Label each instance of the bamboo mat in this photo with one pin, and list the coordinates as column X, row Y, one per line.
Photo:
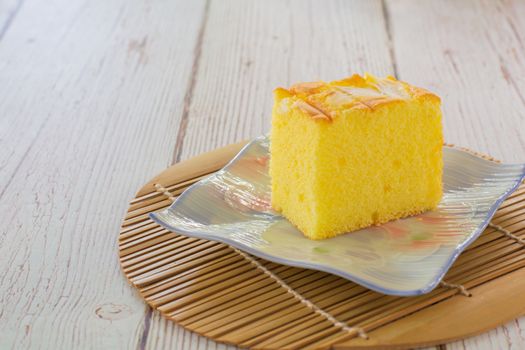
column 231, row 297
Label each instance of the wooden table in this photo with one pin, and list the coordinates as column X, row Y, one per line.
column 96, row 97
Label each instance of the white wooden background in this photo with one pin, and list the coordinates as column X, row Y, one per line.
column 98, row 96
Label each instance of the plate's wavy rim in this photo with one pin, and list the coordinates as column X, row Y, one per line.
column 315, row 266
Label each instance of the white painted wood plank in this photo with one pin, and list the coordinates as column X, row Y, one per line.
column 251, row 47
column 472, row 54
column 91, row 97
column 8, row 11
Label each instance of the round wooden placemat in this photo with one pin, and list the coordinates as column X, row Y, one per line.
column 231, row 297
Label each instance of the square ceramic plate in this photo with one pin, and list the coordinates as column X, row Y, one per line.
column 404, row 257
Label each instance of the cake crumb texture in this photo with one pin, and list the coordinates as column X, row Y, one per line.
column 353, row 153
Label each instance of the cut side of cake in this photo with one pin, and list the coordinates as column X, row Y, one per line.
column 353, row 153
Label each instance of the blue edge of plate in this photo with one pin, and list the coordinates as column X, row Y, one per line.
column 435, row 281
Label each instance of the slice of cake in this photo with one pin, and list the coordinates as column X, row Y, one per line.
column 353, row 153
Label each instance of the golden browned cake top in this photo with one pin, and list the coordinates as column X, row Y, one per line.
column 323, row 100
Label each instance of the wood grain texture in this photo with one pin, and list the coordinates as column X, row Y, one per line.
column 91, row 96
column 102, row 95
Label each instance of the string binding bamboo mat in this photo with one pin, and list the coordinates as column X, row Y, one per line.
column 232, row 297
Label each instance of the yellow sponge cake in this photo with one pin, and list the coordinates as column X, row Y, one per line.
column 353, row 153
